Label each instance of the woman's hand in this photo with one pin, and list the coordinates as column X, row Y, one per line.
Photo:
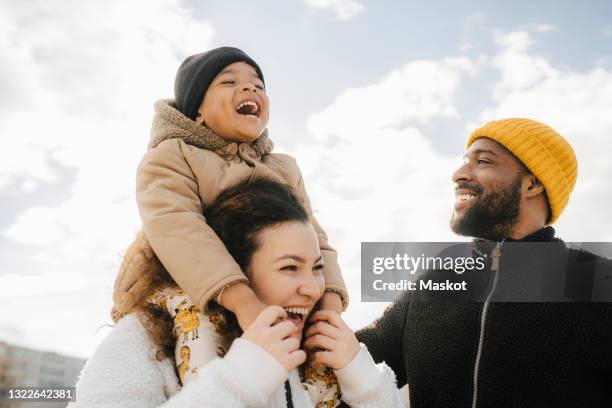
column 271, row 331
column 336, row 340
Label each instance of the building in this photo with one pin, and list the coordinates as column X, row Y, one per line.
column 24, row 367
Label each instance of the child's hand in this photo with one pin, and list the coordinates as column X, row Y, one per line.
column 271, row 331
column 248, row 313
column 242, row 301
column 336, row 340
column 331, row 301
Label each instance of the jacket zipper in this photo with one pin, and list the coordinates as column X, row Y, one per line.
column 288, row 395
column 495, row 254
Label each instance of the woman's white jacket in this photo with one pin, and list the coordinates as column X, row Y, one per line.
column 123, row 373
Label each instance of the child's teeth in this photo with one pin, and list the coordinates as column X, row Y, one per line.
column 251, row 103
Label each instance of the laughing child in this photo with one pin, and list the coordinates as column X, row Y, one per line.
column 211, row 136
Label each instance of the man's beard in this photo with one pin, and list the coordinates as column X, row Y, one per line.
column 491, row 216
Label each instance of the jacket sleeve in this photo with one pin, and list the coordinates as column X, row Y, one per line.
column 365, row 384
column 334, row 281
column 174, row 224
column 123, row 373
column 384, row 337
column 246, row 377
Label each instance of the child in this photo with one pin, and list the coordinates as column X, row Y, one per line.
column 212, row 136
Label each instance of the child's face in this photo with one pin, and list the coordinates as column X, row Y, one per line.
column 235, row 105
column 287, row 270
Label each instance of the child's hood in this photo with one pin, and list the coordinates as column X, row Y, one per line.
column 170, row 123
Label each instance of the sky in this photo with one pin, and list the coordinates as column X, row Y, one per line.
column 374, row 99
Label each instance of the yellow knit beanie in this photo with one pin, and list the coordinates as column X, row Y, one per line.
column 542, row 150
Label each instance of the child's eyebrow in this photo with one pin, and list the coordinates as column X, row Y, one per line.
column 226, row 71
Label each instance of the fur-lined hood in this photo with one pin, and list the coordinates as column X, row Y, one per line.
column 170, row 123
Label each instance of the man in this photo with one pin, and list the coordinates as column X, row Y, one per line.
column 515, row 181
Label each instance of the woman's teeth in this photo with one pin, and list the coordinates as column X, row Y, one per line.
column 303, row 311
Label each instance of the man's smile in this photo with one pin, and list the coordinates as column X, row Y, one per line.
column 464, row 198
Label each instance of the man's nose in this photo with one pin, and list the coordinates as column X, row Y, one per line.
column 462, row 174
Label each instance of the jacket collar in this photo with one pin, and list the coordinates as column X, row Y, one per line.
column 546, row 234
column 170, row 123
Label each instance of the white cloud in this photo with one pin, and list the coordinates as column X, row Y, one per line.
column 89, row 107
column 467, row 46
column 373, row 175
column 472, row 24
column 576, row 104
column 344, row 9
column 545, row 28
column 83, row 89
column 519, row 69
column 516, row 41
column 418, row 92
column 69, row 321
column 81, row 96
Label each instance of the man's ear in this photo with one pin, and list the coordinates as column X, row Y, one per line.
column 534, row 187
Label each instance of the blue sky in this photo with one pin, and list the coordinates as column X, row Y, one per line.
column 374, row 99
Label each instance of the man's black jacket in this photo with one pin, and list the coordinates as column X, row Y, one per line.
column 504, row 354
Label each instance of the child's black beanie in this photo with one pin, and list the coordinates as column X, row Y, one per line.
column 197, row 72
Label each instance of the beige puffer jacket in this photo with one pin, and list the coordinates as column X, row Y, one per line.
column 185, row 168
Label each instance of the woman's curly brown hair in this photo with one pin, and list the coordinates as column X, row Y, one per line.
column 155, row 319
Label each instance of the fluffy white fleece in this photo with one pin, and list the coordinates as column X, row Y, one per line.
column 123, row 373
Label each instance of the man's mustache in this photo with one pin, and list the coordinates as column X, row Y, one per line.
column 476, row 188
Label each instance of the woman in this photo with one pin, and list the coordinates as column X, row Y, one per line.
column 266, row 230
